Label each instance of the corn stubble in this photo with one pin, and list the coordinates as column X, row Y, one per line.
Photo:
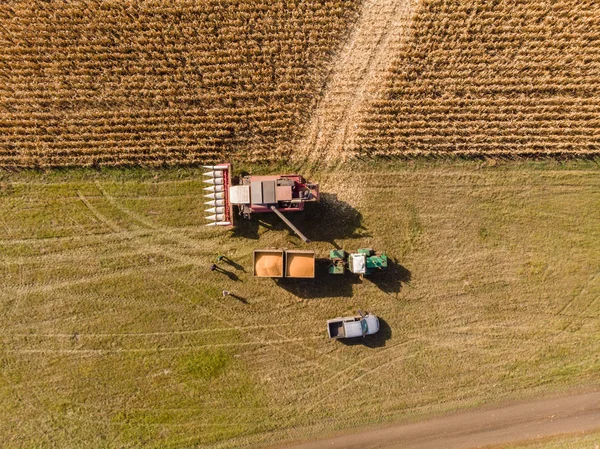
column 111, row 83
column 491, row 78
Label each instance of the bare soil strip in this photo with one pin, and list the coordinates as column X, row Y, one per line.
column 477, row 428
column 356, row 78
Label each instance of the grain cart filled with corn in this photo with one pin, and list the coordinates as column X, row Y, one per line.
column 279, row 263
column 255, row 194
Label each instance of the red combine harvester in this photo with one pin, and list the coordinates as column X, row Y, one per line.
column 255, row 194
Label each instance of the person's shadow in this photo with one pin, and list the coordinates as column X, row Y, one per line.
column 233, row 264
column 238, row 297
column 229, row 274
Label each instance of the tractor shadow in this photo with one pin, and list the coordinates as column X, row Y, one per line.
column 324, row 285
column 326, row 221
column 371, row 341
column 392, row 279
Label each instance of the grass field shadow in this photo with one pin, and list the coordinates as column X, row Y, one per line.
column 330, row 219
column 377, row 340
column 392, row 279
column 247, row 229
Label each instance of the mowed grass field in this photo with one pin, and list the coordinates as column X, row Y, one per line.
column 114, row 333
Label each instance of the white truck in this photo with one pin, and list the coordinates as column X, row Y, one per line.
column 353, row 326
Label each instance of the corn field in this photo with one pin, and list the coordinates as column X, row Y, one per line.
column 154, row 83
column 510, row 78
column 158, row 83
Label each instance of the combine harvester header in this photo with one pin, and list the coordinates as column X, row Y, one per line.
column 219, row 210
column 255, row 194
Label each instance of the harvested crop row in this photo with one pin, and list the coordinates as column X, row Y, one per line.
column 151, row 83
column 491, row 78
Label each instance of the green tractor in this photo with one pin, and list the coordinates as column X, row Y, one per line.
column 363, row 262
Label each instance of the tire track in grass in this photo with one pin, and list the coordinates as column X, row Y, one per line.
column 331, row 357
column 144, row 221
column 297, row 343
column 50, row 287
column 569, row 304
column 218, row 317
column 149, row 334
column 76, row 256
column 122, row 235
column 101, row 217
column 171, row 233
column 358, row 365
column 183, row 260
column 153, row 350
column 348, row 366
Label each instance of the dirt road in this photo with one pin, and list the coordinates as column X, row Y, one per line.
column 356, row 78
column 477, row 428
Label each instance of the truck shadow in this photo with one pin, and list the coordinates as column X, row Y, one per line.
column 377, row 340
column 324, row 285
column 326, row 221
column 392, row 279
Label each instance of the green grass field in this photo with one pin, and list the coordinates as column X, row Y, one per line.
column 114, row 333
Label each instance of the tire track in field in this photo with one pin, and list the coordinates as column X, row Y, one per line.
column 157, row 349
column 504, row 424
column 348, row 366
column 297, row 343
column 182, row 259
column 358, row 365
column 250, row 335
column 309, row 348
column 574, row 317
column 150, row 334
column 122, row 235
column 356, row 79
column 81, row 255
column 156, row 248
column 584, row 291
column 49, row 287
column 207, row 245
column 101, row 217
column 316, row 403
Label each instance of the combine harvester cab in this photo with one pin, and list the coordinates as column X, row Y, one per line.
column 257, row 194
